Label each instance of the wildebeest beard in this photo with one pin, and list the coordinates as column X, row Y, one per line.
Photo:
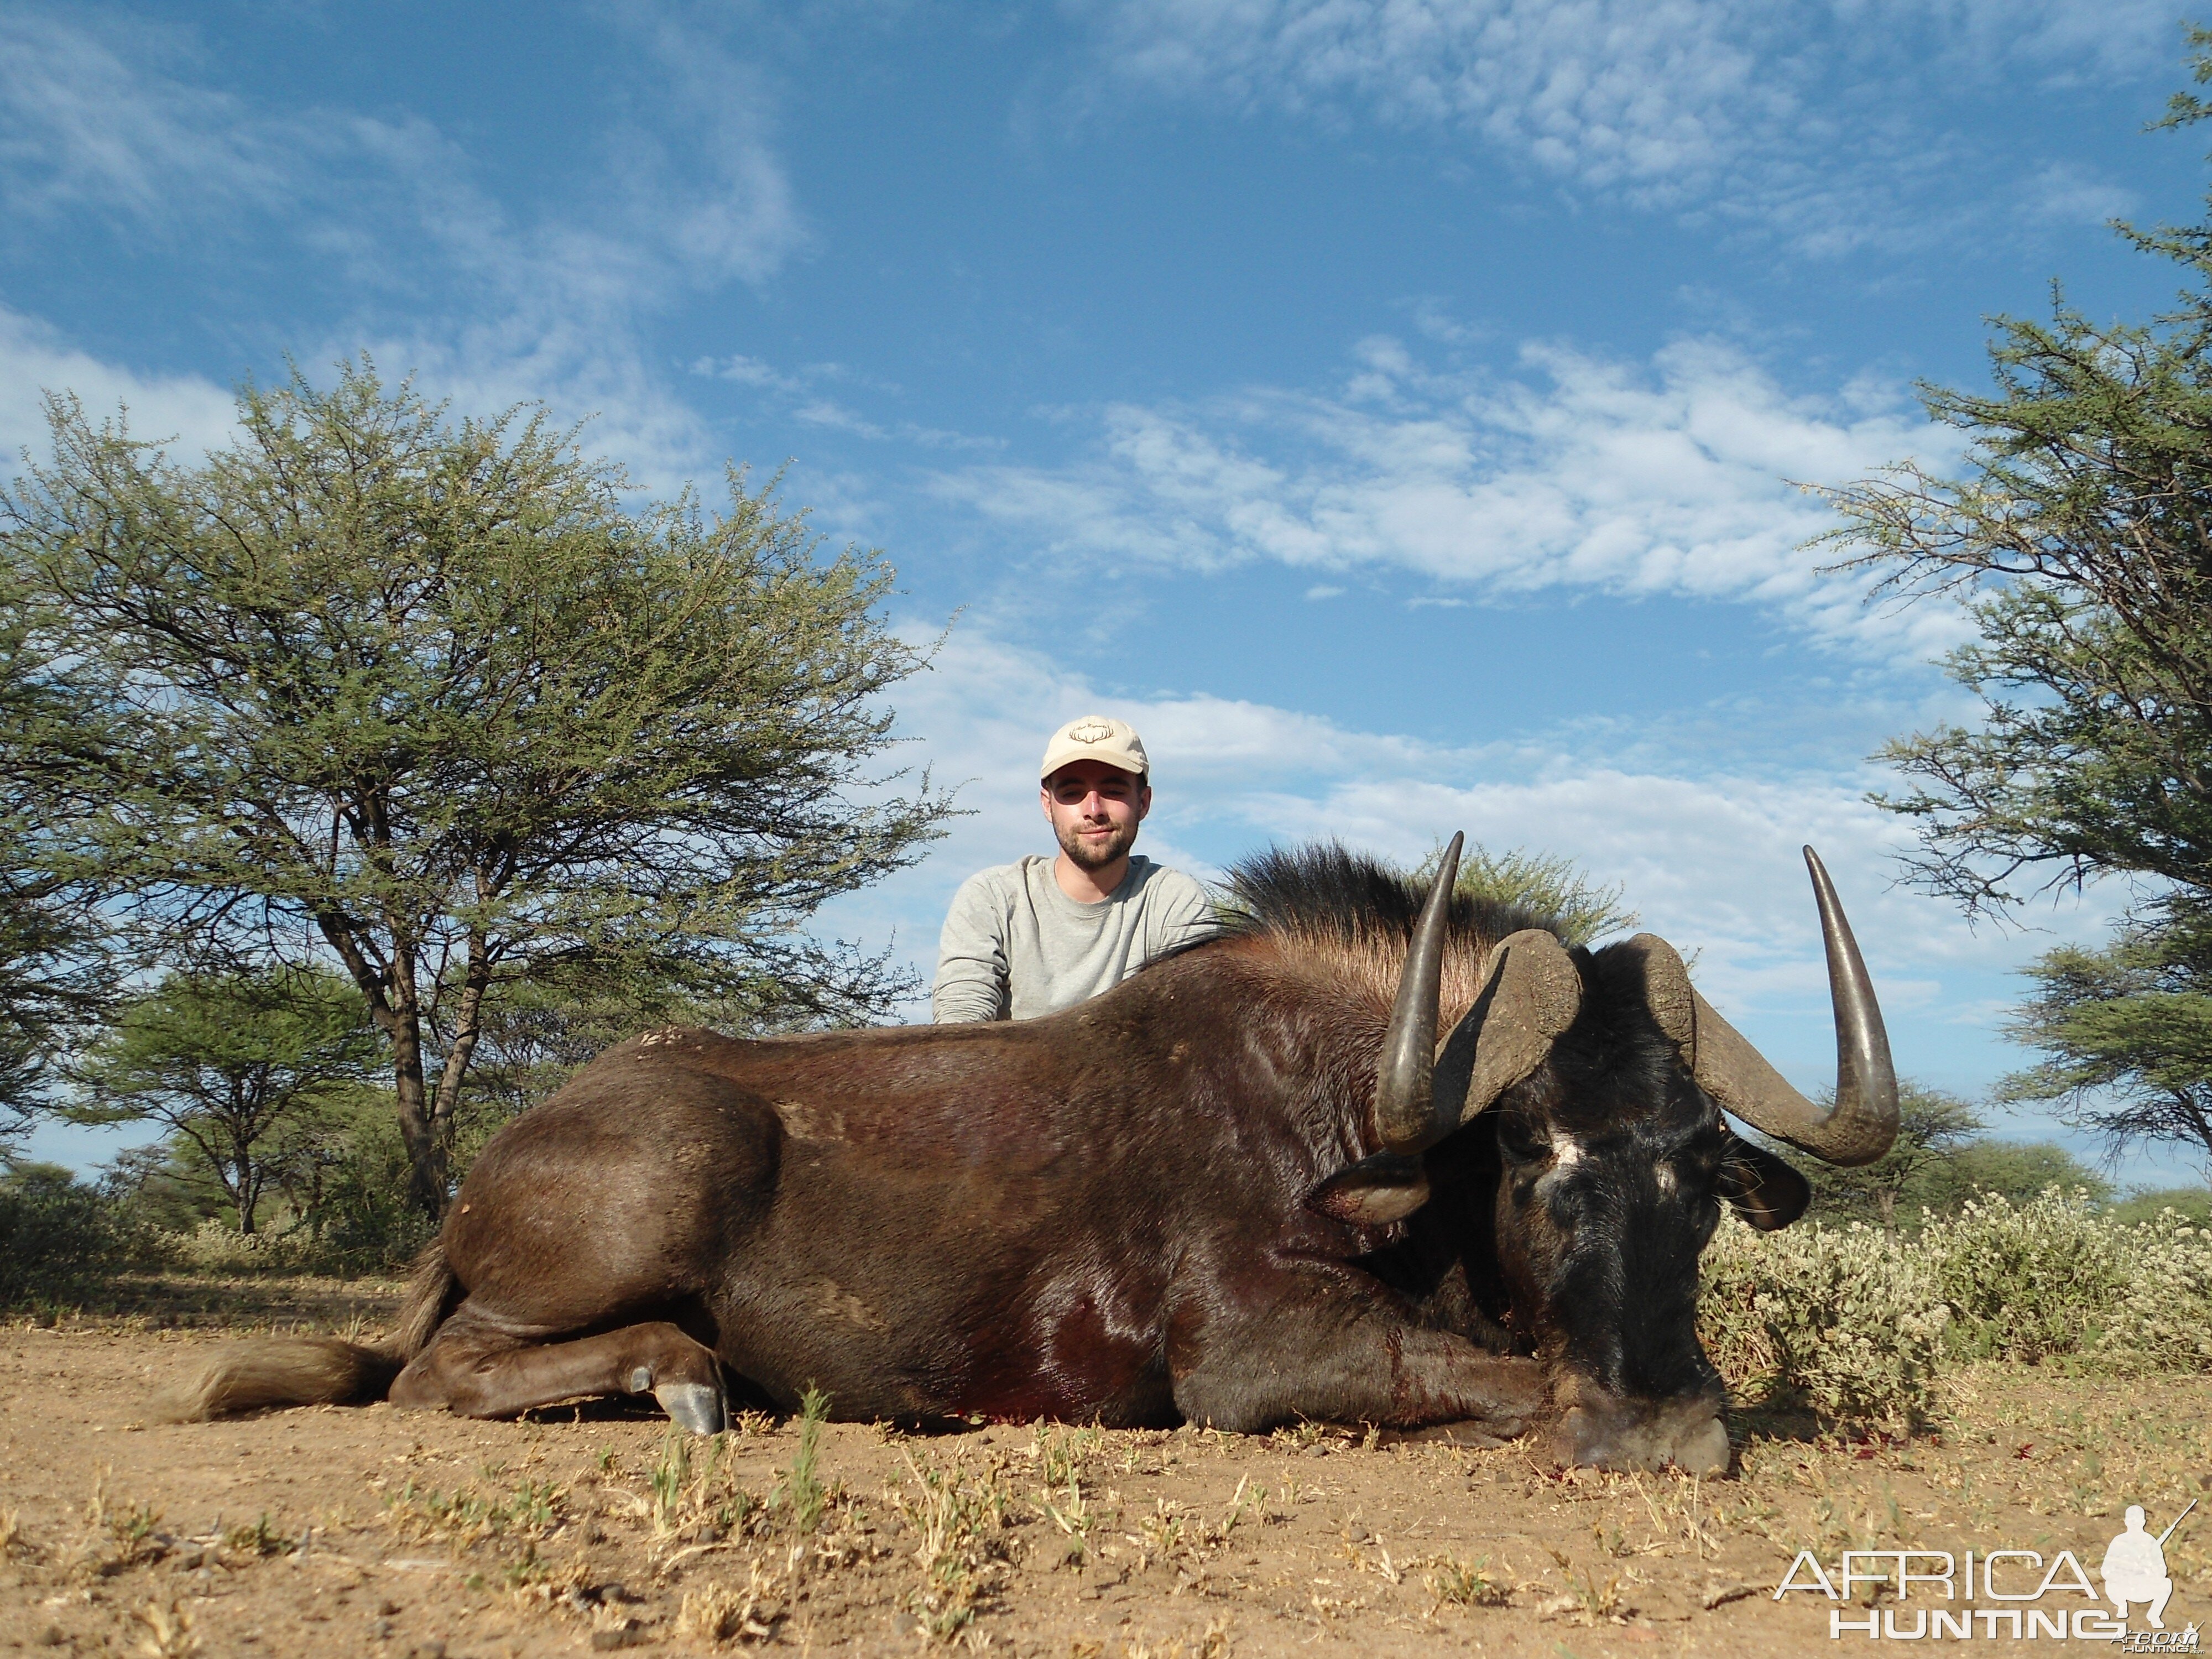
column 1246, row 1186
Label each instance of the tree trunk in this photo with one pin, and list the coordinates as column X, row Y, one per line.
column 245, row 1193
column 426, row 1152
column 466, row 1030
column 390, row 992
column 1886, row 1198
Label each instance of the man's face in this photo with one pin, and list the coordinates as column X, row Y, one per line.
column 1094, row 809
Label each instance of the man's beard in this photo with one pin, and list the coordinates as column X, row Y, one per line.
column 1095, row 854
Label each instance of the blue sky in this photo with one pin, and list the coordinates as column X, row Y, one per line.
column 1393, row 407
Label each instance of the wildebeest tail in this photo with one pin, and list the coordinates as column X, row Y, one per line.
column 314, row 1371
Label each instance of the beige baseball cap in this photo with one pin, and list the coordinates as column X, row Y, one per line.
column 1099, row 737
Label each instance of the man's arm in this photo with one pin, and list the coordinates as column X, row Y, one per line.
column 971, row 958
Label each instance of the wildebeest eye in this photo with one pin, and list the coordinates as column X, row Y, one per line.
column 1522, row 1141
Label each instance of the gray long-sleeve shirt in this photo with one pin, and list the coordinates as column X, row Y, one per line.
column 1015, row 946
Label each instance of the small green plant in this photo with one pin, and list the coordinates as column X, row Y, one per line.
column 1468, row 1583
column 1161, row 1533
column 466, row 1516
column 259, row 1538
column 1247, row 1499
column 800, row 1494
column 129, row 1528
column 671, row 1472
column 696, row 1491
column 1058, row 1453
column 1072, row 1514
column 958, row 1524
column 1587, row 1602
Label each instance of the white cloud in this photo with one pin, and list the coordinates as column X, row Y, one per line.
column 798, row 393
column 435, row 275
column 2066, row 192
column 1749, row 107
column 80, row 125
column 192, row 415
column 1670, row 477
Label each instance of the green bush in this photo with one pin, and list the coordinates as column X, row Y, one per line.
column 1847, row 1321
column 2192, row 1204
column 360, row 1218
column 2028, row 1281
column 60, row 1239
column 1857, row 1323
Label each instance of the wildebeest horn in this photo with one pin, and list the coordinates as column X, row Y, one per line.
column 1862, row 1124
column 1405, row 1106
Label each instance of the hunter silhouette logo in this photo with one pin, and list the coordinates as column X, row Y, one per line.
column 2011, row 1592
column 2134, row 1566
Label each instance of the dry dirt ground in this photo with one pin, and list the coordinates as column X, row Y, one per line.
column 375, row 1532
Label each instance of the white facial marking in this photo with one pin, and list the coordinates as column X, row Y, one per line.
column 1664, row 1175
column 1565, row 1156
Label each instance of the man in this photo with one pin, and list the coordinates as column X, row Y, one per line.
column 1026, row 938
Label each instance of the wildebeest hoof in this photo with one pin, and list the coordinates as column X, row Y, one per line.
column 692, row 1405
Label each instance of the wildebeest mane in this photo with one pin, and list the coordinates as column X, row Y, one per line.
column 1325, row 891
column 1343, row 916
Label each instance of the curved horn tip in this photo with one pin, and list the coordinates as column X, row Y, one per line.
column 1862, row 1124
column 1405, row 1111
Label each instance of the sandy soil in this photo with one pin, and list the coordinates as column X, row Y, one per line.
column 376, row 1532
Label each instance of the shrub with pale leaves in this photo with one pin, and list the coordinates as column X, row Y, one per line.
column 1855, row 1323
column 1847, row 1321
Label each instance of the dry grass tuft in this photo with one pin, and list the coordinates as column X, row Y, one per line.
column 723, row 1613
column 1466, row 1584
column 959, row 1522
column 168, row 1631
column 123, row 1534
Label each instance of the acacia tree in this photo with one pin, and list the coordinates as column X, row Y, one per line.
column 240, row 1068
column 1932, row 1126
column 50, row 978
column 2080, row 540
column 1575, row 906
column 424, row 693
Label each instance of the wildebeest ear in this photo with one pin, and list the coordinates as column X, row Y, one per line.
column 1384, row 1188
column 1766, row 1192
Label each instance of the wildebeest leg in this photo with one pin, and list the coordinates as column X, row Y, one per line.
column 477, row 1369
column 1326, row 1347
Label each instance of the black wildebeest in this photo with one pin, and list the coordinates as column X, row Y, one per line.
column 1200, row 1196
